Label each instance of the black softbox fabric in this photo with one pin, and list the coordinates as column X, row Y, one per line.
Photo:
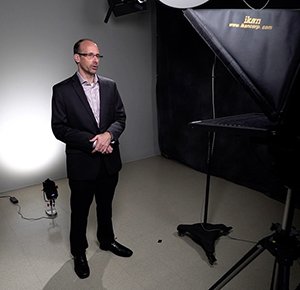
column 261, row 48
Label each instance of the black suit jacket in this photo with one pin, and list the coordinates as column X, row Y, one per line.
column 74, row 124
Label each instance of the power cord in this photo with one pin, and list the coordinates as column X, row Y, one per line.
column 228, row 236
column 15, row 201
column 240, row 240
column 264, row 6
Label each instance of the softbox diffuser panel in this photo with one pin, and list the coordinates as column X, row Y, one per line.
column 261, row 48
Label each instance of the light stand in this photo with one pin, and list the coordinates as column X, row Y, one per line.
column 278, row 100
column 50, row 194
column 206, row 234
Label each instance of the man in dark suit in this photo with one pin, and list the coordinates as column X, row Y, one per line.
column 88, row 116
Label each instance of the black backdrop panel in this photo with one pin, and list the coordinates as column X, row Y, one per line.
column 184, row 94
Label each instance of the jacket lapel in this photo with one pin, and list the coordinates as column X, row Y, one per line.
column 103, row 101
column 80, row 92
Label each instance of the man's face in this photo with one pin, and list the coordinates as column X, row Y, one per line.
column 88, row 57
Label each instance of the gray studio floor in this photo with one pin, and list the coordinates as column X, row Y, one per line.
column 153, row 197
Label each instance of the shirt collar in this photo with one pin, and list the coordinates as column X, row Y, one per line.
column 83, row 81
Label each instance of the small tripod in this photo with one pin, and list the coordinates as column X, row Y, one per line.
column 282, row 244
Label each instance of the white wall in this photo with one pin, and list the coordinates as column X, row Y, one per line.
column 37, row 37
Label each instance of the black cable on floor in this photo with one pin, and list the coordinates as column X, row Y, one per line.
column 15, row 202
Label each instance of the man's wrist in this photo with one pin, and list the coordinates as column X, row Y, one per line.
column 111, row 137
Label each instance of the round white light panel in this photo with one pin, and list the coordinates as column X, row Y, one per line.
column 183, row 4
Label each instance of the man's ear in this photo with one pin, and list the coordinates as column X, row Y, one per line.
column 76, row 58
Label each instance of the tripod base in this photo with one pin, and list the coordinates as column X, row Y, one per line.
column 282, row 245
column 205, row 235
column 51, row 210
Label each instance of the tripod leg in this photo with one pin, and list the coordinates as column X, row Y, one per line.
column 281, row 275
column 238, row 267
column 282, row 253
column 274, row 274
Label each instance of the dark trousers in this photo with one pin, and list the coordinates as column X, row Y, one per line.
column 82, row 194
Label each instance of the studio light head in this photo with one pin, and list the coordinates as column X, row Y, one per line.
column 50, row 194
column 123, row 7
column 50, row 189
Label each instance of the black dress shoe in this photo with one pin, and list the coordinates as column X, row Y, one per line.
column 81, row 266
column 117, row 249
